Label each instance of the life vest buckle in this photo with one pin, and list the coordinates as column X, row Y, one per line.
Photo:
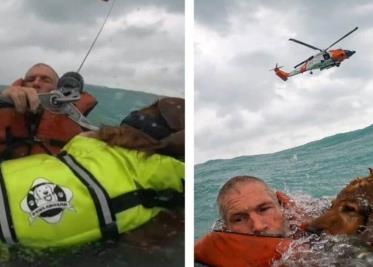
column 147, row 197
column 36, row 139
column 110, row 231
column 166, row 198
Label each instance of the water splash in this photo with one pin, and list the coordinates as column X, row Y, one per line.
column 324, row 250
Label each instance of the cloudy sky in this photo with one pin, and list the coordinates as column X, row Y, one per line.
column 241, row 108
column 140, row 48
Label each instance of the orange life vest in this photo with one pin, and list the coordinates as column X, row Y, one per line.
column 223, row 249
column 24, row 134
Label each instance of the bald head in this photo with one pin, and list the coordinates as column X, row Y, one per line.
column 247, row 205
column 234, row 184
column 42, row 77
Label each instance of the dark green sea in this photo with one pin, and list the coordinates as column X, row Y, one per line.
column 115, row 103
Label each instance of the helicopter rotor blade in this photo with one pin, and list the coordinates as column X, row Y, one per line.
column 308, row 59
column 300, row 63
column 302, row 43
column 344, row 36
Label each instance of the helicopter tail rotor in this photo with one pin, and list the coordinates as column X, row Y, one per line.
column 280, row 73
column 276, row 67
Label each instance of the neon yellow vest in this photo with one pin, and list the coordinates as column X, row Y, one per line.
column 44, row 202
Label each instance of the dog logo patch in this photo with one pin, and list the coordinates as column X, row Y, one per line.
column 47, row 201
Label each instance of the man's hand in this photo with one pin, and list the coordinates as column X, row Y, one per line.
column 24, row 98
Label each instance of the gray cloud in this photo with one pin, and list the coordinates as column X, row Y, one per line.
column 140, row 48
column 86, row 12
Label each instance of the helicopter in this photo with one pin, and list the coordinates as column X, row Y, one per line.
column 323, row 60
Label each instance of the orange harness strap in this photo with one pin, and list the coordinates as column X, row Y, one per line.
column 51, row 133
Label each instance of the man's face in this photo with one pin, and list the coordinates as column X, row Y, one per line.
column 41, row 78
column 250, row 209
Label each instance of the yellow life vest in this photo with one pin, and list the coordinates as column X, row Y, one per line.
column 90, row 191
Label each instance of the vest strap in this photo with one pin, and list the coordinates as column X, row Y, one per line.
column 107, row 207
column 7, row 233
column 12, row 143
column 99, row 195
column 149, row 198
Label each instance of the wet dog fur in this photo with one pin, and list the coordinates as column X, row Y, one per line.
column 171, row 109
column 351, row 212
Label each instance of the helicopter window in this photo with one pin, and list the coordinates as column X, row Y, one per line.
column 326, row 56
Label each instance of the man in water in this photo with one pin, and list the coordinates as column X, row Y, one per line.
column 26, row 128
column 248, row 205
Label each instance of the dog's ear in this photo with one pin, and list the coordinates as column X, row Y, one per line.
column 174, row 144
column 284, row 200
column 173, row 111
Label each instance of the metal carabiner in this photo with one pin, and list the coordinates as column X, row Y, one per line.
column 56, row 102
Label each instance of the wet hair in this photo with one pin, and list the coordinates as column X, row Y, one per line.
column 44, row 65
column 152, row 129
column 232, row 183
column 130, row 138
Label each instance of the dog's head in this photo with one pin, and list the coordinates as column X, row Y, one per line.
column 350, row 212
column 44, row 192
column 157, row 128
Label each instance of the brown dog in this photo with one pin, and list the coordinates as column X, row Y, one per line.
column 158, row 128
column 351, row 212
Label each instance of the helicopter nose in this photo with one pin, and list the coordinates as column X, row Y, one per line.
column 349, row 53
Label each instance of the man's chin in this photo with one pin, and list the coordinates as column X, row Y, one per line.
column 273, row 233
column 284, row 232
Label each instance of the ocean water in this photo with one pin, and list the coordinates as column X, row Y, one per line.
column 114, row 103
column 316, row 171
column 160, row 243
